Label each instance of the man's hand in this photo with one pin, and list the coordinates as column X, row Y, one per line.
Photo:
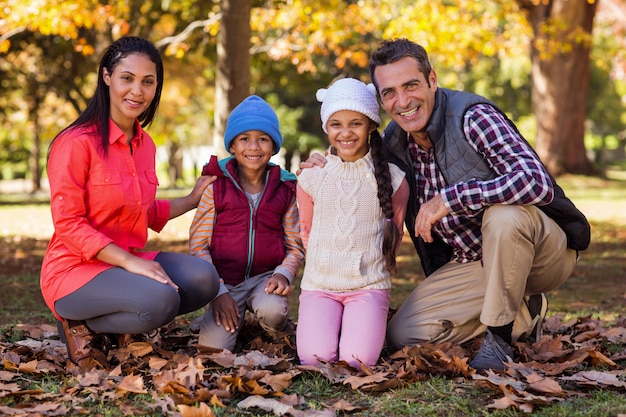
column 226, row 312
column 315, row 159
column 430, row 213
column 278, row 284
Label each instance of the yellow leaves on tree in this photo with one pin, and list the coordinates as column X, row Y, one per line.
column 54, row 17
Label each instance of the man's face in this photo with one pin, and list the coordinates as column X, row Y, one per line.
column 406, row 95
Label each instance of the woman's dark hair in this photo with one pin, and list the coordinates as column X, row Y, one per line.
column 391, row 234
column 393, row 50
column 98, row 110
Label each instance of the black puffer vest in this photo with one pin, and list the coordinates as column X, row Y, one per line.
column 459, row 162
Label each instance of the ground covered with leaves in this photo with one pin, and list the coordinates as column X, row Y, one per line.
column 577, row 369
column 170, row 375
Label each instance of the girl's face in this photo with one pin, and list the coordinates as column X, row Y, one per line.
column 348, row 132
column 132, row 86
column 252, row 149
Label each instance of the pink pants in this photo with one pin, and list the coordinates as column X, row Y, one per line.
column 342, row 326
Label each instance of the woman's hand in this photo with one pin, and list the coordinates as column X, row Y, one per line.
column 114, row 255
column 182, row 205
column 150, row 269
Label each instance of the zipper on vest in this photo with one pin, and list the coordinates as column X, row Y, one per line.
column 251, row 231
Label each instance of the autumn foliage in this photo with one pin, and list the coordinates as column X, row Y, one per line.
column 185, row 379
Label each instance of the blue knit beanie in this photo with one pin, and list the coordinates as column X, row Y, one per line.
column 253, row 114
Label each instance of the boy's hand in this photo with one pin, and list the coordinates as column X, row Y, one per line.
column 226, row 312
column 278, row 284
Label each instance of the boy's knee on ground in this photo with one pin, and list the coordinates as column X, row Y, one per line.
column 272, row 313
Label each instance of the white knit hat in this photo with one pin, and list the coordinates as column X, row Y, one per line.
column 348, row 94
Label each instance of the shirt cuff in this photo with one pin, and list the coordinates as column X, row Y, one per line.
column 280, row 269
column 223, row 290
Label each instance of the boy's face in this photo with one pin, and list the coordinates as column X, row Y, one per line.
column 252, row 149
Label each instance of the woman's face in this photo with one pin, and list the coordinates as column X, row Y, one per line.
column 348, row 132
column 132, row 86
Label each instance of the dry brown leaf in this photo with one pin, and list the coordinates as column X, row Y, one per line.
column 215, row 401
column 502, row 403
column 543, row 385
column 598, row 359
column 11, row 361
column 47, row 409
column 165, row 382
column 547, row 349
column 357, row 382
column 203, row 410
column 92, row 378
column 495, row 381
column 190, row 373
column 253, row 387
column 596, row 378
column 139, row 349
column 343, row 405
column 225, row 358
column 7, row 376
column 157, row 363
column 615, row 335
column 279, row 382
column 28, row 367
column 267, row 404
column 256, row 359
column 133, row 383
column 585, row 336
column 10, row 387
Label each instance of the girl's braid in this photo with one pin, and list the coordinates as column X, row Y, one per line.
column 391, row 235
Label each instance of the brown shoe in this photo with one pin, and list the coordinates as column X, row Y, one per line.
column 78, row 338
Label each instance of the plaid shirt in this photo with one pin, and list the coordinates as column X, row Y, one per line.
column 522, row 180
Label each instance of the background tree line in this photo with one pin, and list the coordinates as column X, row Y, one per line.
column 556, row 66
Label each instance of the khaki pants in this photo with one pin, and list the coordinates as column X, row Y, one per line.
column 524, row 252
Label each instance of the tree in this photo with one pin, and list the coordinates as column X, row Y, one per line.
column 232, row 81
column 560, row 54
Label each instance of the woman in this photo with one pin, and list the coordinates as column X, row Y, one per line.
column 101, row 168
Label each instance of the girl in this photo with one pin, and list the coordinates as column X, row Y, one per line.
column 352, row 214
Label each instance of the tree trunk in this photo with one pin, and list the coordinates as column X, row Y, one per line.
column 35, row 153
column 232, row 81
column 560, row 80
column 175, row 163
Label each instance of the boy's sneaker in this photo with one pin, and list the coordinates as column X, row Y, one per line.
column 537, row 307
column 493, row 353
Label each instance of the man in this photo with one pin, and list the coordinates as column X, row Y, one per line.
column 493, row 230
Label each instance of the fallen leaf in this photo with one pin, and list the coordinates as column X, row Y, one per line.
column 203, row 410
column 133, row 383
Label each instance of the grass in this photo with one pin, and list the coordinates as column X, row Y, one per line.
column 597, row 289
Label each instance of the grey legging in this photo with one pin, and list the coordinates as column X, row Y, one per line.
column 118, row 301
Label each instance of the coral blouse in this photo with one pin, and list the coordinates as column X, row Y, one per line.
column 97, row 200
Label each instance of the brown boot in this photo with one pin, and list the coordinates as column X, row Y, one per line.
column 78, row 338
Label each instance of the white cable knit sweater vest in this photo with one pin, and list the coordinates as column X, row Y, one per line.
column 345, row 245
